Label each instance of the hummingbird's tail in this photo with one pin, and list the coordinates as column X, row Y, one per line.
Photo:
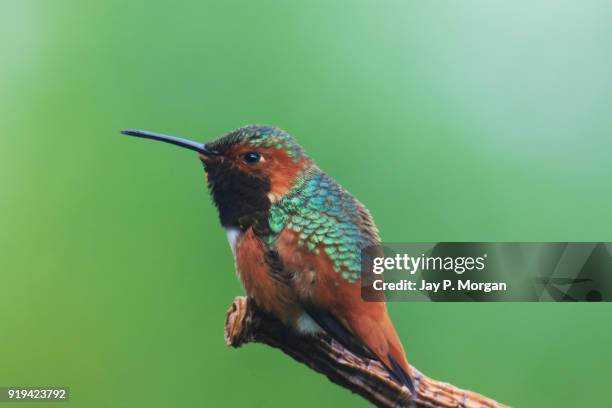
column 377, row 334
column 395, row 360
column 401, row 373
column 371, row 338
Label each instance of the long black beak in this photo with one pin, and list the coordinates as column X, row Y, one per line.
column 179, row 141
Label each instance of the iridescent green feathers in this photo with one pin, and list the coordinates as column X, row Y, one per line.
column 327, row 218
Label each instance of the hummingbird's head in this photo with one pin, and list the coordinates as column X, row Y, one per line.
column 247, row 170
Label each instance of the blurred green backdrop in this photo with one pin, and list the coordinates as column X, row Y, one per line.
column 475, row 120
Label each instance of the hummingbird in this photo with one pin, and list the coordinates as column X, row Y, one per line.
column 296, row 236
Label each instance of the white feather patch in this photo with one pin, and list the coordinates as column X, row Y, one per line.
column 232, row 237
column 274, row 198
column 306, row 325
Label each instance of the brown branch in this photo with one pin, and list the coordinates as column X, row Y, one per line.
column 245, row 323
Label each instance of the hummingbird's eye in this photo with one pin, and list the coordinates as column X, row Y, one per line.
column 252, row 157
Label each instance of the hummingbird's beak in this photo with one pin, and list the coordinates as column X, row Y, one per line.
column 179, row 141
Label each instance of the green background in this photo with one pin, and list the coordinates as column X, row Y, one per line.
column 452, row 121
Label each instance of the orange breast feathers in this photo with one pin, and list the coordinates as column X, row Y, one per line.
column 268, row 287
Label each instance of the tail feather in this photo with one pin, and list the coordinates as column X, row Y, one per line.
column 377, row 333
column 361, row 346
column 401, row 375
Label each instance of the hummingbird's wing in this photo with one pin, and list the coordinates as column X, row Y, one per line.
column 322, row 230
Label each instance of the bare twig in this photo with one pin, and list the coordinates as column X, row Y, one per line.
column 246, row 323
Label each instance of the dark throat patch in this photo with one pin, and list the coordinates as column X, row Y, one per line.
column 241, row 198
